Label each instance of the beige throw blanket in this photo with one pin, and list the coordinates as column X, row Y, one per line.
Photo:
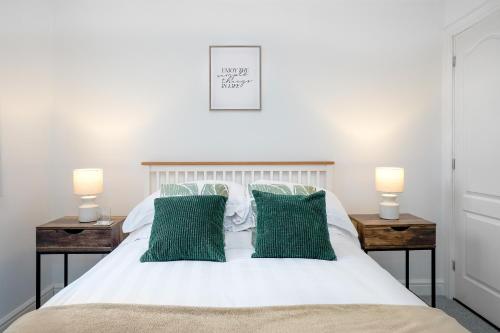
column 110, row 318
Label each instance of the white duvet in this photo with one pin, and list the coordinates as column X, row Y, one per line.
column 239, row 282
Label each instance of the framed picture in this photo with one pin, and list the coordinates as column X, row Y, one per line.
column 235, row 78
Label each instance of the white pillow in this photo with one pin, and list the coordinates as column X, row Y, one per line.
column 238, row 240
column 237, row 208
column 143, row 232
column 142, row 214
column 235, row 223
column 336, row 214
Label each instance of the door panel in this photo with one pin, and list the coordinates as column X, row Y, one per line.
column 477, row 173
column 480, row 240
column 481, row 204
column 481, row 94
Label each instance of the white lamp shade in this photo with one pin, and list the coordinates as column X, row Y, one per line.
column 87, row 181
column 389, row 180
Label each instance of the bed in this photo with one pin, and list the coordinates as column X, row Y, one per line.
column 352, row 294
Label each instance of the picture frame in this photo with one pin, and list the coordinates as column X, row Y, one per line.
column 235, row 77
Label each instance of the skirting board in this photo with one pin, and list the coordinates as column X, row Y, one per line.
column 422, row 287
column 28, row 306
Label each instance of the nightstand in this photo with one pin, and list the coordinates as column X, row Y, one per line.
column 406, row 234
column 68, row 236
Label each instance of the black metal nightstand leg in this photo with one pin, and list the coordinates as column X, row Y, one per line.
column 37, row 284
column 65, row 269
column 407, row 268
column 433, row 277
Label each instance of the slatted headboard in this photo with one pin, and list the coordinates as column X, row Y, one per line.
column 317, row 173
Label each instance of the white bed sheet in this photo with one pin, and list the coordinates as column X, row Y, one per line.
column 239, row 282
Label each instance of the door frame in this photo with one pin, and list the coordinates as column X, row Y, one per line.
column 448, row 134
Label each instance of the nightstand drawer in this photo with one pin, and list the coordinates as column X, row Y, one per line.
column 414, row 236
column 74, row 239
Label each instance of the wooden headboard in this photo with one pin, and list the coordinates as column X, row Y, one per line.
column 317, row 173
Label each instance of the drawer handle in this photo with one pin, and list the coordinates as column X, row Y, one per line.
column 400, row 228
column 73, row 231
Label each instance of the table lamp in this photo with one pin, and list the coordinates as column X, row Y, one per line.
column 390, row 182
column 88, row 183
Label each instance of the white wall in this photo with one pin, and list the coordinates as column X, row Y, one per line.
column 357, row 82
column 26, row 101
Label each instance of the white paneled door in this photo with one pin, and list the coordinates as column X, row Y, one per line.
column 477, row 170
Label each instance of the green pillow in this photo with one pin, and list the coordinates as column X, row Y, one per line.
column 187, row 228
column 292, row 226
column 278, row 188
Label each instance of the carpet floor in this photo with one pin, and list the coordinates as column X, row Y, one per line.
column 465, row 317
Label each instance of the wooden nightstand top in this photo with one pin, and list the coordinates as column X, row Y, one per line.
column 409, row 232
column 68, row 235
column 374, row 220
column 71, row 222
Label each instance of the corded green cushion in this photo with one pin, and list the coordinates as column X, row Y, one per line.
column 292, row 226
column 187, row 228
column 277, row 188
